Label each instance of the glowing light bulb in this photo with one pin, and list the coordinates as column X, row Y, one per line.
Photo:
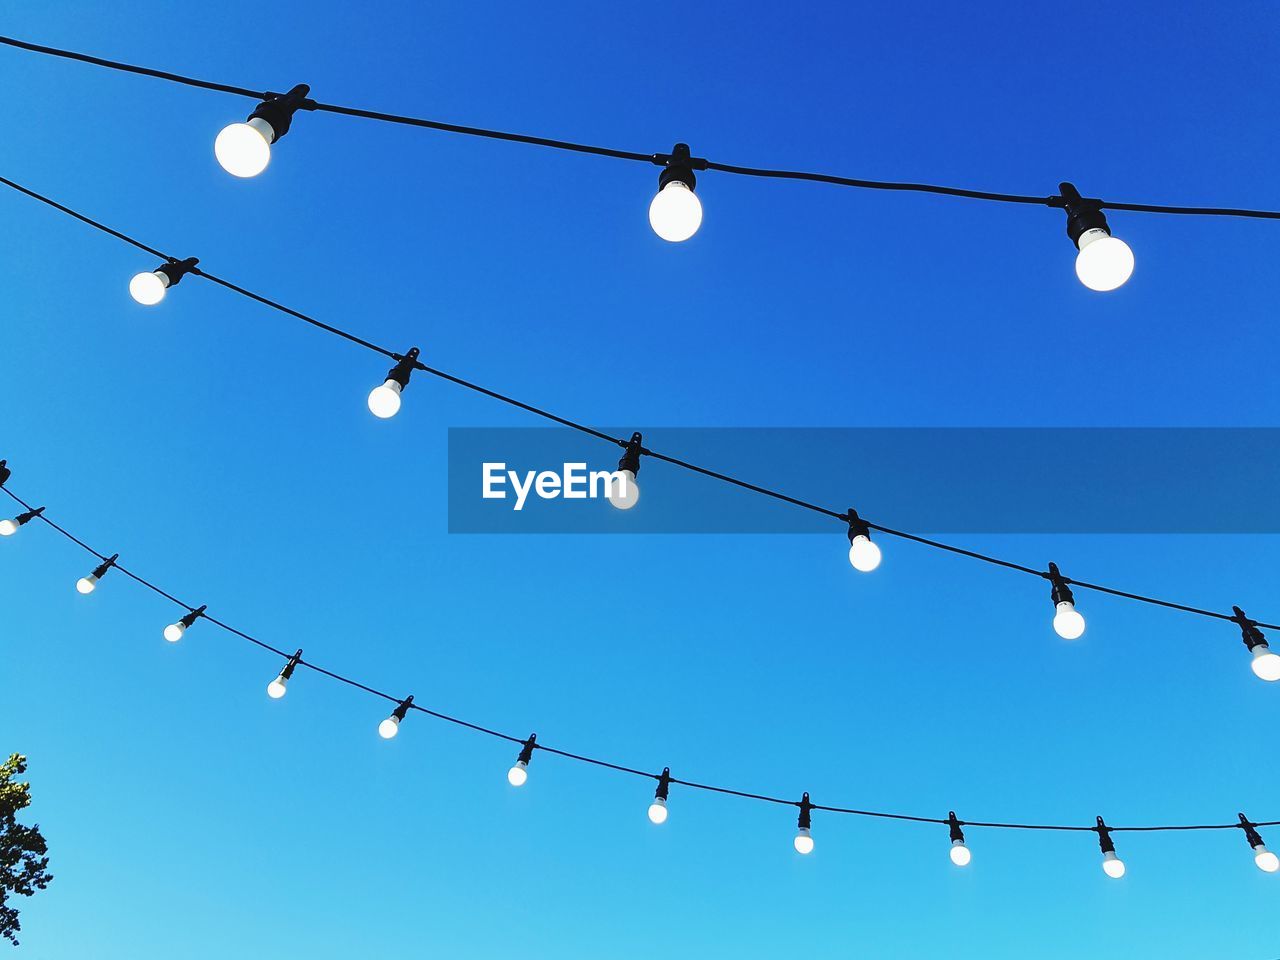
column 1068, row 622
column 960, row 854
column 863, row 554
column 148, row 288
column 244, row 149
column 8, row 528
column 388, row 728
column 1267, row 861
column 675, row 212
column 1104, row 262
column 174, row 631
column 624, row 492
column 277, row 688
column 1112, row 865
column 518, row 774
column 1265, row 664
column 803, row 841
column 658, row 810
column 384, row 400
column 87, row 584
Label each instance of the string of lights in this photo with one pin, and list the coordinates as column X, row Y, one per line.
column 243, row 149
column 658, row 810
column 149, row 288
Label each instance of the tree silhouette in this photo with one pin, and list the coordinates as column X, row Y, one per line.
column 23, row 861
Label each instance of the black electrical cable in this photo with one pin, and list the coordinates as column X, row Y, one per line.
column 618, row 441
column 659, row 159
column 595, row 761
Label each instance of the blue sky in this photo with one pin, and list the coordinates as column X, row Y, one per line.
column 227, row 453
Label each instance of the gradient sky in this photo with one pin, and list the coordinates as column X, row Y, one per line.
column 227, row 453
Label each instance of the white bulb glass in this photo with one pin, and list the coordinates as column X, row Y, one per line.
column 960, row 854
column 518, row 774
column 276, row 688
column 1267, row 861
column 384, row 400
column 624, row 492
column 86, row 584
column 803, row 842
column 244, row 149
column 1067, row 622
column 388, row 728
column 174, row 631
column 1265, row 665
column 863, row 554
column 148, row 288
column 1112, row 865
column 676, row 212
column 1104, row 262
column 8, row 528
column 658, row 810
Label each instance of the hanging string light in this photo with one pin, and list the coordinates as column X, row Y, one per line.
column 624, row 492
column 1104, row 262
column 86, row 585
column 244, row 149
column 519, row 771
column 658, row 809
column 389, row 727
column 149, row 289
column 174, row 631
column 960, row 854
column 1112, row 865
column 1265, row 664
column 864, row 555
column 1067, row 621
column 1267, row 861
column 676, row 212
column 384, row 399
column 804, row 841
column 9, row 527
column 278, row 687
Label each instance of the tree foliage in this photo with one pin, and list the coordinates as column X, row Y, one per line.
column 24, row 864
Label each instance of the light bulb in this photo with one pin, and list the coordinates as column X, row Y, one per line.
column 384, row 400
column 658, row 810
column 675, row 212
column 1112, row 865
column 518, row 774
column 863, row 554
column 244, row 149
column 960, row 854
column 1067, row 622
column 174, row 631
column 1265, row 664
column 388, row 728
column 86, row 584
column 148, row 288
column 276, row 688
column 803, row 841
column 8, row 528
column 624, row 492
column 1267, row 861
column 1104, row 262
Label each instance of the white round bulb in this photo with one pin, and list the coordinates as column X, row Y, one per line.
column 86, row 584
column 803, row 842
column 1112, row 866
column 384, row 400
column 624, row 492
column 863, row 554
column 276, row 688
column 676, row 212
column 1266, row 665
column 8, row 528
column 148, row 288
column 1067, row 622
column 244, row 149
column 1267, row 861
column 518, row 774
column 960, row 854
column 1104, row 262
column 174, row 631
column 658, row 810
column 388, row 728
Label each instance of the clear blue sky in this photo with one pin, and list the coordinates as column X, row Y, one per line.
column 228, row 453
